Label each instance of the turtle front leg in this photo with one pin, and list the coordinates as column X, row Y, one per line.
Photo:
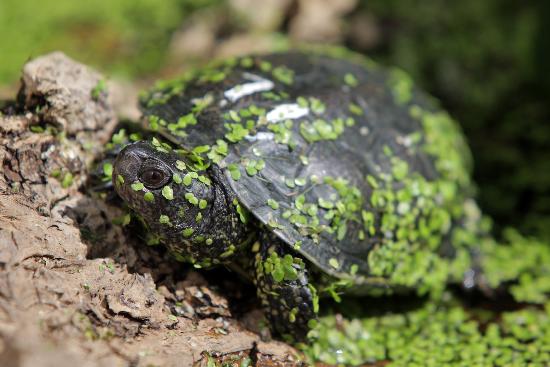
column 290, row 302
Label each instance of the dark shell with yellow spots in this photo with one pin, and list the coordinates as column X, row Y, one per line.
column 348, row 164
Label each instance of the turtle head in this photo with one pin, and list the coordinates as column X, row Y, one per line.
column 175, row 202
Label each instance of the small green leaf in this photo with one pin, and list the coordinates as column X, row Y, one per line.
column 251, row 169
column 273, row 204
column 123, row 220
column 167, row 193
column 187, row 232
column 260, row 165
column 325, row 204
column 191, row 198
column 119, row 179
column 400, row 169
column 355, row 109
column 201, row 149
column 342, row 229
column 300, row 181
column 278, row 274
column 299, row 202
column 107, row 169
column 181, row 165
column 350, row 80
column 302, row 102
column 149, row 196
column 205, row 180
column 234, row 171
column 68, row 180
column 137, row 186
column 187, row 179
column 290, row 183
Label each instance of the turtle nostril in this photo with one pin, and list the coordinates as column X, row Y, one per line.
column 127, row 165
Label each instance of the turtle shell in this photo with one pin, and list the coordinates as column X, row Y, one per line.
column 334, row 156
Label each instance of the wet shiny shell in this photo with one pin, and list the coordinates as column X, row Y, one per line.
column 340, row 159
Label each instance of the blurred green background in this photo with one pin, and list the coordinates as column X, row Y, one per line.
column 486, row 61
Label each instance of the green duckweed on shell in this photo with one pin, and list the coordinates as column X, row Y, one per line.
column 411, row 198
column 350, row 80
column 273, row 204
column 164, row 219
column 191, row 198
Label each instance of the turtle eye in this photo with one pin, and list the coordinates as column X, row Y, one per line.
column 153, row 177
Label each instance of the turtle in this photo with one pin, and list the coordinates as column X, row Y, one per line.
column 313, row 172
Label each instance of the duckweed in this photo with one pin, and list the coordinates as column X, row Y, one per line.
column 434, row 334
